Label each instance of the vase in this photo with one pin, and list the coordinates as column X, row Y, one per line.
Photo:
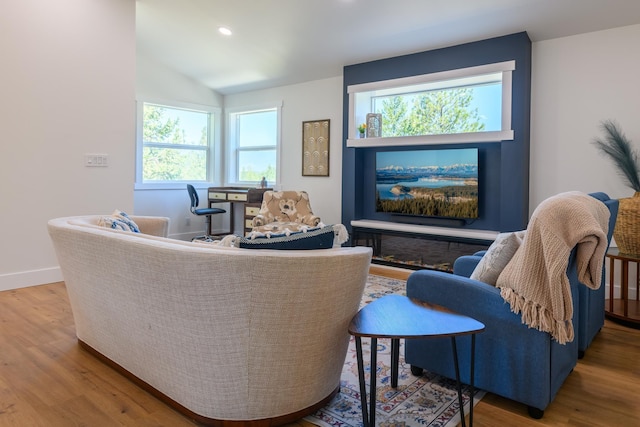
column 361, row 134
column 627, row 228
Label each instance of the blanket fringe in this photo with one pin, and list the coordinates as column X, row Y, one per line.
column 536, row 316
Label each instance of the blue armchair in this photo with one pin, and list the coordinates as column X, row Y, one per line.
column 512, row 359
column 591, row 301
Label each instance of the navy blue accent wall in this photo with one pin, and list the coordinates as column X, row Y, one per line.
column 503, row 166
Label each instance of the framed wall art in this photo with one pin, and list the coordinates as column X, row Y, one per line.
column 315, row 148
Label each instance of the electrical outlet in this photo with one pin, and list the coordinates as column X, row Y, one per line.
column 187, row 221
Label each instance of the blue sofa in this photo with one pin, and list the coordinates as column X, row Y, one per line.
column 512, row 360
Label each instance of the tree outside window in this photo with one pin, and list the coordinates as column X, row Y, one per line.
column 176, row 144
column 437, row 112
column 253, row 143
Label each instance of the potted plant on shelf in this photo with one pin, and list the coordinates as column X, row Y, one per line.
column 618, row 147
column 361, row 129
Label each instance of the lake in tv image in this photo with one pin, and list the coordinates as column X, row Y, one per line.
column 431, row 182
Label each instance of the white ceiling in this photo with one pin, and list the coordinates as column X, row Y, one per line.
column 282, row 42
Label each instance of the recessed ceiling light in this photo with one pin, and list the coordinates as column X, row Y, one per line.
column 225, row 31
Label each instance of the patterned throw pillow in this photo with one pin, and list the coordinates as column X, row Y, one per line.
column 497, row 257
column 321, row 238
column 119, row 221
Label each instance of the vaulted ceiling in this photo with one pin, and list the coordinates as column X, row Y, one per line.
column 282, row 42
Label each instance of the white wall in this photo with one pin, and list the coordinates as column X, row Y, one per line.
column 577, row 82
column 67, row 88
column 319, row 99
column 157, row 83
column 316, row 100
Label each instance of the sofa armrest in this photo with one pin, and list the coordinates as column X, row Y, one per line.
column 466, row 296
column 152, row 225
column 464, row 265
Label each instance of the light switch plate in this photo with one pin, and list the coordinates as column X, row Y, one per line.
column 96, row 160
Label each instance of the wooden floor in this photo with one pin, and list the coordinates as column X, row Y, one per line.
column 47, row 380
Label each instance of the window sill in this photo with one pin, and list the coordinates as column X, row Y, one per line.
column 458, row 138
column 172, row 186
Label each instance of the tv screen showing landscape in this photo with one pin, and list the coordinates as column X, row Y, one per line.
column 433, row 183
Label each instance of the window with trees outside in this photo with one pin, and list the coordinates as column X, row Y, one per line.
column 253, row 140
column 462, row 105
column 176, row 144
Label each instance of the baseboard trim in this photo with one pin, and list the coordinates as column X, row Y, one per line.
column 24, row 279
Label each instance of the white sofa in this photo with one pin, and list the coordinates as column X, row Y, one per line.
column 225, row 335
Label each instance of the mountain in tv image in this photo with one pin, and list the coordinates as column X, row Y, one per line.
column 449, row 191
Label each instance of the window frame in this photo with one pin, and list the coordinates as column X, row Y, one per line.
column 232, row 148
column 214, row 164
column 505, row 134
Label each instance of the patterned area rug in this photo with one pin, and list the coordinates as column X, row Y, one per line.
column 428, row 400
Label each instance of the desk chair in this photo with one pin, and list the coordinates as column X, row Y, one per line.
column 195, row 201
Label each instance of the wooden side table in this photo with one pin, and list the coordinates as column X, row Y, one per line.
column 623, row 309
column 396, row 317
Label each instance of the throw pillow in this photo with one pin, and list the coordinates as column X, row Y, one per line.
column 497, row 257
column 321, row 238
column 119, row 221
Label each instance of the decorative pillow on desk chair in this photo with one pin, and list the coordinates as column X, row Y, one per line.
column 497, row 257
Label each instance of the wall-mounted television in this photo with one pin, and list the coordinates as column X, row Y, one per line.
column 428, row 182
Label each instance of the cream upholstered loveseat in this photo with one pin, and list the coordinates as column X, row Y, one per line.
column 225, row 335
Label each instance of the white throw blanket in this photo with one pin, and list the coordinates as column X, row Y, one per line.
column 535, row 281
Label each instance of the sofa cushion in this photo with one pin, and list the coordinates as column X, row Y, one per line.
column 119, row 221
column 321, row 238
column 497, row 257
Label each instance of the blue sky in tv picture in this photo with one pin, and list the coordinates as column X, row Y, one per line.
column 428, row 182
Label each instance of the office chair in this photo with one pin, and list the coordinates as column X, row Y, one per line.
column 195, row 201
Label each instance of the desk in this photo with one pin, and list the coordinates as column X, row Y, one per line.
column 250, row 198
column 395, row 317
column 623, row 309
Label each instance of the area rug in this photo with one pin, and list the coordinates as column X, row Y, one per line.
column 428, row 400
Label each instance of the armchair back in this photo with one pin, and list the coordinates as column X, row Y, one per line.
column 285, row 209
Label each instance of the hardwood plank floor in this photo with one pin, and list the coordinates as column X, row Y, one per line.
column 46, row 379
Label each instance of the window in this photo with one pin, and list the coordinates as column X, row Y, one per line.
column 463, row 105
column 458, row 106
column 175, row 144
column 253, row 138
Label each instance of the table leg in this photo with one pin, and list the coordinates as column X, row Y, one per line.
column 363, row 387
column 637, row 281
column 471, row 389
column 624, row 288
column 395, row 361
column 232, row 225
column 611, row 283
column 458, row 383
column 372, row 380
